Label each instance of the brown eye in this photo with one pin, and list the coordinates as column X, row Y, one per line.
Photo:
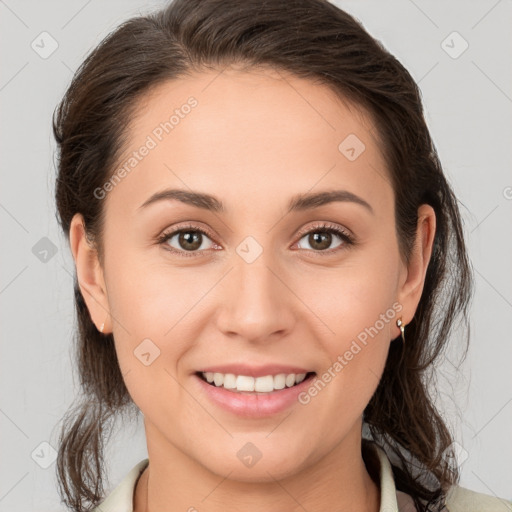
column 190, row 240
column 321, row 239
column 186, row 240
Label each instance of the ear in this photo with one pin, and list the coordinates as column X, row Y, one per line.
column 413, row 280
column 90, row 275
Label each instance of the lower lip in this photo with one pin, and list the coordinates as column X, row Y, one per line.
column 253, row 405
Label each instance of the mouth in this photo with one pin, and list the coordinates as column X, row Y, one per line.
column 248, row 385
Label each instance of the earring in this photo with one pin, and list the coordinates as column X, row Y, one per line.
column 400, row 324
column 103, row 326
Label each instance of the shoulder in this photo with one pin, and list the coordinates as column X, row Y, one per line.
column 460, row 499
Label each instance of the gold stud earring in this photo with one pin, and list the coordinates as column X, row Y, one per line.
column 400, row 324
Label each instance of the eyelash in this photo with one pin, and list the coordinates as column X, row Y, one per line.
column 324, row 227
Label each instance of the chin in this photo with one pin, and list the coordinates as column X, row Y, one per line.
column 247, row 463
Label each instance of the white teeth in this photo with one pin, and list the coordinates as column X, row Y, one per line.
column 230, row 381
column 300, row 378
column 218, row 379
column 279, row 381
column 244, row 383
column 290, row 380
column 265, row 384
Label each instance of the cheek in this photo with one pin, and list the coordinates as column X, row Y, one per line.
column 153, row 299
column 355, row 301
column 146, row 309
column 158, row 319
column 358, row 312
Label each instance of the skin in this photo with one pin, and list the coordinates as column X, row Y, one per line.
column 255, row 139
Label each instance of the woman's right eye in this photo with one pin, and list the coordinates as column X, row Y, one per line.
column 187, row 241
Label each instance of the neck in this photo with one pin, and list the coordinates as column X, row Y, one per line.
column 338, row 481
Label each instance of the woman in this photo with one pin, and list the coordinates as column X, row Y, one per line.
column 265, row 249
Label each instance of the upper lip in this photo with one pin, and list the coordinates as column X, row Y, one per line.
column 254, row 371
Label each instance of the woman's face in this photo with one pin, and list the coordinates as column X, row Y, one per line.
column 267, row 289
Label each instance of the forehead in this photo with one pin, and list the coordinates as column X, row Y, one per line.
column 258, row 133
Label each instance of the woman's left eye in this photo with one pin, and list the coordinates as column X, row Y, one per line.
column 190, row 239
column 320, row 238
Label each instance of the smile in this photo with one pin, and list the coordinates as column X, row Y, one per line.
column 249, row 384
column 253, row 396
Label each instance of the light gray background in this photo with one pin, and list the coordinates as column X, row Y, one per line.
column 468, row 101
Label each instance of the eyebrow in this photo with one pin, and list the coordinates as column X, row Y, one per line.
column 299, row 202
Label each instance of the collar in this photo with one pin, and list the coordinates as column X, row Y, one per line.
column 391, row 500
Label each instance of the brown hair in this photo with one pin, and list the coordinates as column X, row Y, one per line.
column 312, row 39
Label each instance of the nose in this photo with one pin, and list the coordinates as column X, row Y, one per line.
column 256, row 302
